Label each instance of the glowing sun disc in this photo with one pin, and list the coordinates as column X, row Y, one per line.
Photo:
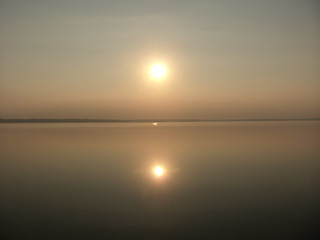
column 158, row 71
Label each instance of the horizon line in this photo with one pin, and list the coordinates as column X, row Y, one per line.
column 103, row 120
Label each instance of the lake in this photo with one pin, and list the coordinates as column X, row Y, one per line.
column 221, row 180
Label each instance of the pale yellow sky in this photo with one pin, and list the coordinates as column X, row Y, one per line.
column 225, row 59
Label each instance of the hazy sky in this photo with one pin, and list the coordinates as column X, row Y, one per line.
column 225, row 58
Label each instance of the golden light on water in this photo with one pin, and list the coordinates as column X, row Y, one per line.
column 158, row 71
column 155, row 124
column 158, row 171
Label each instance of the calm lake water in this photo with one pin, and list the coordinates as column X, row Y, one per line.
column 254, row 180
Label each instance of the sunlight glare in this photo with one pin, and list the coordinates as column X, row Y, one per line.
column 158, row 71
column 158, row 171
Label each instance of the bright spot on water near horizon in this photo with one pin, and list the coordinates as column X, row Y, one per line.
column 158, row 71
column 155, row 124
column 158, row 171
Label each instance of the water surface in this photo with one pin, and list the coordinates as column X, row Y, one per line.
column 247, row 180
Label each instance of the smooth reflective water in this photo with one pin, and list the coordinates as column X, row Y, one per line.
column 219, row 180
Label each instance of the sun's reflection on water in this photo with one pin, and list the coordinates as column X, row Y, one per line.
column 158, row 171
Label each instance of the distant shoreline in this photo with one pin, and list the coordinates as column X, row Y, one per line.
column 71, row 120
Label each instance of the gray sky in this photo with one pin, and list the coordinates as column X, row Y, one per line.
column 225, row 58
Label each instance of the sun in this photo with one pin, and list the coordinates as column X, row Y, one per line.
column 158, row 71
